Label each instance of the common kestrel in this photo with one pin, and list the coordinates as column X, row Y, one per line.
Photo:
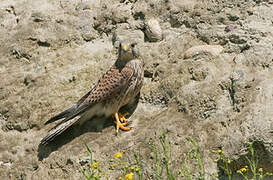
column 118, row 87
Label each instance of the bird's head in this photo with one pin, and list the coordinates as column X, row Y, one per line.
column 128, row 51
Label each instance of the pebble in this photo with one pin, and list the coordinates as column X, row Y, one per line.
column 153, row 30
column 214, row 50
column 121, row 35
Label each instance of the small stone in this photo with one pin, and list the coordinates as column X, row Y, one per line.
column 120, row 13
column 237, row 39
column 237, row 75
column 69, row 161
column 84, row 160
column 8, row 164
column 185, row 5
column 28, row 79
column 153, row 30
column 89, row 36
column 230, row 28
column 43, row 42
column 21, row 126
column 26, row 82
column 35, row 167
column 214, row 50
column 14, row 151
column 121, row 35
column 37, row 17
column 233, row 17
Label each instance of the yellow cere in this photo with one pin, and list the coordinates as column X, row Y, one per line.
column 125, row 47
column 129, row 176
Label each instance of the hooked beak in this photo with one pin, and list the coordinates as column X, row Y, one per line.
column 125, row 48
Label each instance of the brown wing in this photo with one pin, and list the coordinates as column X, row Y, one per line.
column 111, row 83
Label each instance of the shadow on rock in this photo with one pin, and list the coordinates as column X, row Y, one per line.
column 94, row 125
column 44, row 150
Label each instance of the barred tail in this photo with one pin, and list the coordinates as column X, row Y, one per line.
column 59, row 129
column 63, row 114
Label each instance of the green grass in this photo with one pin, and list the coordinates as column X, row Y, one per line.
column 162, row 166
column 93, row 171
column 192, row 155
column 253, row 164
column 161, row 156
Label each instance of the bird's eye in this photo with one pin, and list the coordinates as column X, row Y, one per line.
column 133, row 45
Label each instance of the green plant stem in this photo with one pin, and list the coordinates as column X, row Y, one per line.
column 198, row 158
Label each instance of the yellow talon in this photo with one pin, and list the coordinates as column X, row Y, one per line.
column 121, row 118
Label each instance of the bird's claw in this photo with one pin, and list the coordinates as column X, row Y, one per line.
column 121, row 122
column 122, row 118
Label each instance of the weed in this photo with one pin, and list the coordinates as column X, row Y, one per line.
column 93, row 171
column 224, row 163
column 161, row 162
column 162, row 167
column 253, row 164
column 192, row 154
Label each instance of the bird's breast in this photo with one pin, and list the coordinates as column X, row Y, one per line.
column 135, row 82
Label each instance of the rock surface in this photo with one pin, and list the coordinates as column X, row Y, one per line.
column 153, row 30
column 52, row 52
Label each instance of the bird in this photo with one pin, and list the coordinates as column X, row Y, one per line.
column 116, row 88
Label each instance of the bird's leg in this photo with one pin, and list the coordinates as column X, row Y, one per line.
column 122, row 118
column 119, row 124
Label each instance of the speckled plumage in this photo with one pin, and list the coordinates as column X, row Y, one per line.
column 117, row 87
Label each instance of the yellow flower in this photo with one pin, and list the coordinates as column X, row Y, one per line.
column 129, row 176
column 118, row 155
column 219, row 151
column 123, row 151
column 244, row 169
column 95, row 165
column 120, row 178
column 137, row 169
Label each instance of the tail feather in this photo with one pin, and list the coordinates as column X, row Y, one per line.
column 61, row 128
column 63, row 114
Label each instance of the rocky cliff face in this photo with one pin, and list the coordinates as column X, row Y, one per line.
column 208, row 75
